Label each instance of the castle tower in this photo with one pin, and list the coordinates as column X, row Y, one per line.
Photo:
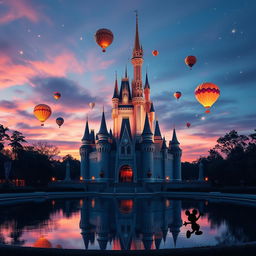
column 137, row 90
column 147, row 94
column 177, row 152
column 103, row 148
column 157, row 133
column 115, row 101
column 151, row 116
column 85, row 150
column 147, row 148
column 164, row 150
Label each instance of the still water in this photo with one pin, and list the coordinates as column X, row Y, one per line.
column 127, row 223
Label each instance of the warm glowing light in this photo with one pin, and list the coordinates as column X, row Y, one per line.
column 167, row 203
column 93, row 177
column 126, row 174
column 42, row 242
column 93, row 203
column 53, row 179
column 167, row 178
column 126, row 206
column 206, row 178
column 81, row 178
column 53, row 202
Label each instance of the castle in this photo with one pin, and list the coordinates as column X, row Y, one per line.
column 132, row 153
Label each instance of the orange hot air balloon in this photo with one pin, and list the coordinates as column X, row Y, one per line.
column 56, row 95
column 91, row 105
column 207, row 94
column 104, row 37
column 190, row 61
column 42, row 112
column 59, row 121
column 188, row 124
column 155, row 52
column 177, row 95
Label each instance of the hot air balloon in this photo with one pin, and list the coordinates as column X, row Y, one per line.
column 188, row 124
column 42, row 112
column 155, row 52
column 59, row 121
column 207, row 94
column 177, row 95
column 92, row 105
column 104, row 37
column 190, row 61
column 56, row 95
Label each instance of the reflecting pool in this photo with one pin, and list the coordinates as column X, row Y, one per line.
column 125, row 223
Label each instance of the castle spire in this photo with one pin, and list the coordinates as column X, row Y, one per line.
column 115, row 94
column 125, row 73
column 174, row 138
column 86, row 137
column 137, row 39
column 152, row 109
column 146, row 82
column 103, row 127
column 147, row 130
column 157, row 130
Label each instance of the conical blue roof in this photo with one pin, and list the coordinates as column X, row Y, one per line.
column 146, row 129
column 157, row 130
column 86, row 136
column 115, row 94
column 174, row 138
column 103, row 126
column 146, row 82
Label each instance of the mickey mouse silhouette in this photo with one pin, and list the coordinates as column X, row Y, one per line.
column 193, row 219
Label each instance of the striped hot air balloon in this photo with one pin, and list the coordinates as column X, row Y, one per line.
column 42, row 112
column 207, row 94
column 59, row 121
column 56, row 95
column 155, row 52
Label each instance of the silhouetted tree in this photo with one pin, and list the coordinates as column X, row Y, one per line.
column 44, row 148
column 3, row 136
column 17, row 139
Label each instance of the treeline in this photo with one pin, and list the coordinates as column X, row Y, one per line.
column 232, row 161
column 36, row 164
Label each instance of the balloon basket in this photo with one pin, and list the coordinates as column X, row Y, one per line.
column 207, row 111
column 42, row 124
column 103, row 50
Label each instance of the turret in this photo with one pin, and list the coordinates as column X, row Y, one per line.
column 103, row 150
column 151, row 115
column 125, row 93
column 147, row 148
column 176, row 152
column 85, row 150
column 164, row 151
column 92, row 137
column 147, row 94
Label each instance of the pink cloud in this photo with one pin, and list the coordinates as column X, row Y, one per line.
column 18, row 74
column 18, row 9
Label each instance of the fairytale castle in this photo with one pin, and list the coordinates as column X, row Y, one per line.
column 135, row 152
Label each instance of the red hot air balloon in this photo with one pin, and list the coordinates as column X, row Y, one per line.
column 155, row 53
column 177, row 95
column 190, row 61
column 59, row 121
column 56, row 95
column 188, row 124
column 104, row 37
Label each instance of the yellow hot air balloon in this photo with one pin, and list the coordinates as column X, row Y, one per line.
column 42, row 112
column 207, row 94
column 92, row 105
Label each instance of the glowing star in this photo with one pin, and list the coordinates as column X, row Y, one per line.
column 233, row 31
column 21, row 52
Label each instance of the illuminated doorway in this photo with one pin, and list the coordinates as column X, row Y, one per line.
column 126, row 174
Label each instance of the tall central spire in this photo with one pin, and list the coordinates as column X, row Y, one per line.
column 137, row 39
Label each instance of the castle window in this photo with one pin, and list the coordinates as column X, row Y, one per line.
column 122, row 150
column 128, row 150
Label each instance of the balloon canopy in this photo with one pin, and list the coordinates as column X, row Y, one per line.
column 207, row 94
column 42, row 112
column 177, row 95
column 59, row 121
column 91, row 105
column 188, row 124
column 104, row 37
column 155, row 52
column 56, row 95
column 190, row 61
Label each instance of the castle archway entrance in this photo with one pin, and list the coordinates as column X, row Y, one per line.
column 126, row 174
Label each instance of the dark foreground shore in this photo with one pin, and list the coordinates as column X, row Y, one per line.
column 248, row 249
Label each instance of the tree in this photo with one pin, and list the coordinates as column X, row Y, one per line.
column 16, row 139
column 3, row 136
column 44, row 148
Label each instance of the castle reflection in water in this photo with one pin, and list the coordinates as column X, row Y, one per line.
column 129, row 224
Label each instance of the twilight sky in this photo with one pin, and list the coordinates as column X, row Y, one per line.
column 48, row 45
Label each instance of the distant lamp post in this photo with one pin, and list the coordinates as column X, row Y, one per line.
column 81, row 178
column 206, row 179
